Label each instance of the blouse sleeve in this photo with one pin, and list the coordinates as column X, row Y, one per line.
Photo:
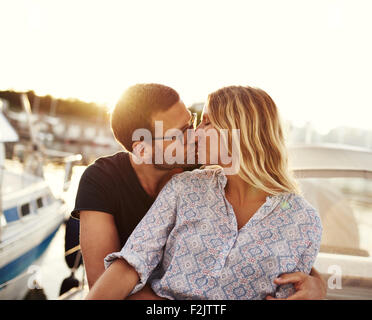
column 144, row 248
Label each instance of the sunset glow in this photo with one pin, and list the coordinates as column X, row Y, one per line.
column 312, row 57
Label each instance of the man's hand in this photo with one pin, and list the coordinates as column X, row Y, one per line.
column 308, row 287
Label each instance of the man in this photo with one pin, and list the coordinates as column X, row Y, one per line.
column 116, row 191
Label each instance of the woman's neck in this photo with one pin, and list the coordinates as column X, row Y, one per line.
column 240, row 192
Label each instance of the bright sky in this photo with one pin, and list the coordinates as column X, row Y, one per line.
column 312, row 57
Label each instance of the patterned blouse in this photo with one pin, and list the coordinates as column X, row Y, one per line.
column 188, row 245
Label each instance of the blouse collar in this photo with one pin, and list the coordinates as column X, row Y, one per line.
column 272, row 201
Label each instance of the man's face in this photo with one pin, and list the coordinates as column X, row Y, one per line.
column 174, row 141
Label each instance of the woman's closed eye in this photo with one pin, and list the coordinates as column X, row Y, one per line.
column 205, row 121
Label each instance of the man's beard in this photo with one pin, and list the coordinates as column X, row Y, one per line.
column 167, row 167
column 185, row 166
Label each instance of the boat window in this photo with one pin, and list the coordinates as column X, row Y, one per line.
column 11, row 214
column 39, row 203
column 25, row 209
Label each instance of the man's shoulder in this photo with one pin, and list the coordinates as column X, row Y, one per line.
column 117, row 157
column 106, row 166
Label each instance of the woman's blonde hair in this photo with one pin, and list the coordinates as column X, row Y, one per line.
column 263, row 154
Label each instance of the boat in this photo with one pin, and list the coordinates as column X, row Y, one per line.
column 65, row 133
column 337, row 181
column 30, row 214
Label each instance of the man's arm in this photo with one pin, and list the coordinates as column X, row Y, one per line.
column 98, row 238
column 308, row 287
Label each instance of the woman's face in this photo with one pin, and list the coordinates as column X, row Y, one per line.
column 208, row 139
column 212, row 145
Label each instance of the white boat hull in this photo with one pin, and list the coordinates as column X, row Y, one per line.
column 23, row 245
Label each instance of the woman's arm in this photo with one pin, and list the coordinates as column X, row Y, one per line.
column 116, row 282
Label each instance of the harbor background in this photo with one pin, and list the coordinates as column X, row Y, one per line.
column 311, row 57
column 76, row 136
column 53, row 269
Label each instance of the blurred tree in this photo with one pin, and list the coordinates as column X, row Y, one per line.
column 59, row 107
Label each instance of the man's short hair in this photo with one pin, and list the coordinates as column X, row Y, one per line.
column 136, row 107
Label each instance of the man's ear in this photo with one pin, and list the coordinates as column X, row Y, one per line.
column 142, row 152
column 138, row 149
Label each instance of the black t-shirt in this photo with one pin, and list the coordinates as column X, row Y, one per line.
column 111, row 185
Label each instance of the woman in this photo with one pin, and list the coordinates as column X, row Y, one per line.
column 210, row 235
